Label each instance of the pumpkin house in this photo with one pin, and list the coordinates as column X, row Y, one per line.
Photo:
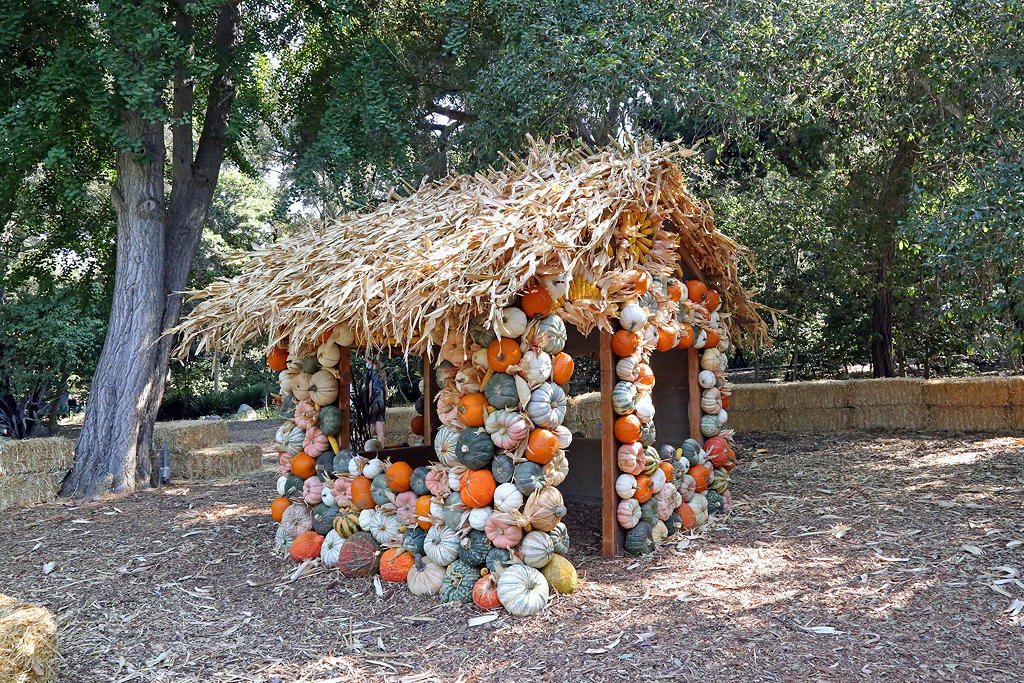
column 498, row 281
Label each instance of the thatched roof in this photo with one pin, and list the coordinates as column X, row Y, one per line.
column 428, row 262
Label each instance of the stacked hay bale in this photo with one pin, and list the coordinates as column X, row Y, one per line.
column 200, row 449
column 31, row 470
column 28, row 642
column 974, row 404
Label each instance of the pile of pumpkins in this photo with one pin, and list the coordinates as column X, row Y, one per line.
column 665, row 489
column 483, row 523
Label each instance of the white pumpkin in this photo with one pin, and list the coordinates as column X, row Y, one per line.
column 331, row 549
column 445, row 441
column 425, row 577
column 286, row 378
column 625, row 485
column 557, row 470
column 507, row 428
column 564, row 435
column 328, row 354
column 386, row 528
column 343, row 335
column 536, row 549
column 356, row 464
column 522, row 590
column 327, row 496
column 478, row 517
column 557, row 284
column 454, row 479
column 632, row 317
column 701, row 340
column 628, row 369
column 373, row 467
column 659, row 532
column 658, row 480
column 650, row 336
column 715, row 319
column 723, row 416
column 282, row 483
column 479, row 358
column 628, row 513
column 644, row 407
column 372, row 446
column 534, row 367
column 512, row 323
column 712, row 359
column 441, row 546
column 507, row 497
column 706, row 379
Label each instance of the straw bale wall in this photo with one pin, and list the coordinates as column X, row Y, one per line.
column 31, row 470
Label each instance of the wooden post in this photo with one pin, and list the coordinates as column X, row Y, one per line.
column 693, row 405
column 611, row 532
column 344, row 404
column 430, row 420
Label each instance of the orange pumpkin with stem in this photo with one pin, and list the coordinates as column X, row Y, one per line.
column 688, row 516
column 306, row 546
column 472, row 409
column 627, row 428
column 541, row 446
column 713, row 339
column 416, row 425
column 476, row 488
column 712, row 300
column 562, row 367
column 686, row 336
column 666, row 467
column 644, row 376
column 399, row 476
column 699, row 474
column 485, row 593
column 423, row 512
column 502, row 353
column 277, row 359
column 278, row 507
column 644, row 488
column 395, row 564
column 695, row 290
column 624, row 343
column 726, row 401
column 666, row 338
column 674, row 289
column 537, row 302
column 362, row 493
column 303, row 466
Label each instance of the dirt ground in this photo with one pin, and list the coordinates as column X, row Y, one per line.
column 848, row 557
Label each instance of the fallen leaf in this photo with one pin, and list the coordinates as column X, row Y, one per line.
column 972, row 549
column 483, row 619
column 821, row 630
column 49, row 567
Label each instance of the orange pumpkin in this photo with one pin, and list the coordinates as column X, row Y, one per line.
column 278, row 507
column 541, row 446
column 726, row 401
column 423, row 512
column 472, row 410
column 642, row 282
column 362, row 495
column 477, row 488
column 562, row 366
column 277, row 359
column 303, row 466
column 688, row 516
column 666, row 467
column 503, row 353
column 730, row 461
column 537, row 302
column 485, row 593
column 696, row 289
column 674, row 289
column 686, row 337
column 666, row 338
column 416, row 425
column 644, row 376
column 395, row 564
column 712, row 300
column 398, row 476
column 644, row 488
column 627, row 428
column 306, row 546
column 713, row 339
column 699, row 475
column 624, row 343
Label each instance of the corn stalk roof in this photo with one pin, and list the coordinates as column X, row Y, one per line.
column 425, row 264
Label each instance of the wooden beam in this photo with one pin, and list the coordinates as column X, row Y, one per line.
column 430, row 419
column 344, row 404
column 611, row 532
column 693, row 406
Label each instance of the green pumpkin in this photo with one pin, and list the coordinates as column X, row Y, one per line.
column 481, row 332
column 550, row 333
column 310, row 365
column 714, row 499
column 679, row 468
column 673, row 523
column 529, row 477
column 648, row 302
column 691, row 451
column 624, row 398
column 497, row 558
column 710, row 426
column 442, row 373
column 639, row 540
column 457, row 585
column 502, row 468
column 667, row 452
column 420, row 405
column 501, row 391
column 413, row 540
column 287, row 406
column 418, row 481
column 379, row 489
column 473, row 548
column 325, row 465
column 341, row 461
column 647, row 434
column 329, row 420
column 649, row 511
column 293, row 486
column 560, row 537
column 651, row 460
column 721, row 480
column 474, row 448
column 451, row 513
column 323, row 518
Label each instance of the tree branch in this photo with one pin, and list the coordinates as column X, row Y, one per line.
column 220, row 99
column 453, row 114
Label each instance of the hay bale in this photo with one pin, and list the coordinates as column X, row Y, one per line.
column 968, row 391
column 901, row 417
column 1015, row 390
column 1015, row 417
column 814, row 395
column 396, row 425
column 970, row 419
column 813, row 420
column 583, row 415
column 184, row 436
column 17, row 490
column 23, row 456
column 748, row 397
column 890, row 391
column 212, row 462
column 28, row 642
column 754, row 421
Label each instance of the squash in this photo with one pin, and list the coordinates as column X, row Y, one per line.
column 541, row 446
column 412, row 540
column 473, row 548
column 329, row 420
column 668, row 500
column 644, row 377
column 625, row 343
column 379, row 490
column 385, row 527
column 710, row 425
column 692, row 451
column 714, row 499
column 502, row 468
column 648, row 433
column 457, row 585
column 290, row 486
column 424, row 519
column 328, row 354
column 358, row 557
column 627, row 428
column 644, row 488
column 562, row 367
column 706, row 379
column 303, row 466
column 346, row 523
column 723, row 416
column 626, row 486
column 712, row 301
column 323, row 388
column 395, row 564
column 295, row 520
column 323, row 518
column 544, row 509
column 536, row 549
column 560, row 574
column 305, row 415
column 501, row 391
column 398, row 476
column 537, row 301
column 720, row 482
column 497, row 559
column 529, row 477
column 628, row 513
column 507, row 428
column 481, row 331
column 560, row 538
column 675, row 289
column 405, row 508
column 686, row 336
column 477, row 517
column 441, row 545
column 639, row 540
column 695, row 290
column 502, row 353
column 477, row 487
column 507, row 498
column 548, row 334
column 418, row 481
column 630, row 458
column 342, row 460
column 424, row 577
column 453, row 348
column 627, row 369
column 522, row 590
column 331, row 549
column 547, row 406
column 445, row 445
column 315, row 442
column 649, row 511
column 651, row 460
column 289, row 438
column 281, row 504
column 362, row 493
column 306, row 546
column 512, row 323
column 713, row 359
column 503, row 530
column 534, row 367
column 668, row 337
column 416, row 425
column 632, row 317
column 277, row 359
column 472, row 409
column 624, row 398
column 557, row 470
column 485, row 593
column 475, row 448
column 452, row 510
column 300, row 386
